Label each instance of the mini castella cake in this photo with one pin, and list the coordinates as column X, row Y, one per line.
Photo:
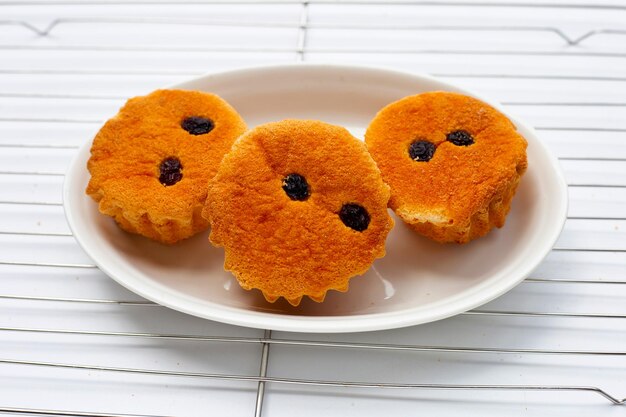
column 300, row 207
column 150, row 164
column 453, row 163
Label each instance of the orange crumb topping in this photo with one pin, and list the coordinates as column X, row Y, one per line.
column 459, row 181
column 291, row 248
column 128, row 150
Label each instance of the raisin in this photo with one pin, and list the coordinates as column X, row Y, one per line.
column 296, row 187
column 197, row 125
column 170, row 171
column 354, row 216
column 421, row 150
column 460, row 138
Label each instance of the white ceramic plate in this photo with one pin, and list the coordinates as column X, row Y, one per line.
column 417, row 282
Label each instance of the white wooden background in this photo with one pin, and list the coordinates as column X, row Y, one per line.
column 65, row 66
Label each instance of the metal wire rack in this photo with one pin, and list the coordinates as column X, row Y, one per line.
column 22, row 23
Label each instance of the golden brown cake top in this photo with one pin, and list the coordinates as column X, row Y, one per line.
column 474, row 150
column 276, row 205
column 128, row 154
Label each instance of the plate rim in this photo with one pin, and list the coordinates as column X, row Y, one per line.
column 324, row 324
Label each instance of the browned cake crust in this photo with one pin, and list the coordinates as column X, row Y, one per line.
column 128, row 152
column 288, row 247
column 463, row 191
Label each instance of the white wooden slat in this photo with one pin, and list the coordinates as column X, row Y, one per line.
column 574, row 21
column 364, row 38
column 593, row 89
column 594, row 234
column 88, row 283
column 32, row 219
column 58, row 108
column 104, row 85
column 120, row 82
column 43, row 14
column 47, row 161
column 572, row 117
column 585, row 144
column 30, row 188
column 120, row 35
column 42, row 249
column 583, row 266
column 419, row 59
column 595, row 172
column 185, row 59
column 597, row 202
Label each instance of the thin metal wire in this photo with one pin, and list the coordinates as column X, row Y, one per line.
column 473, row 312
column 582, row 129
column 415, row 3
column 268, row 340
column 329, row 383
column 148, row 21
column 479, row 4
column 578, row 158
column 88, row 121
column 304, row 24
column 545, row 314
column 564, row 103
column 607, row 250
column 554, row 77
column 31, row 203
column 53, row 234
column 161, row 72
column 149, row 48
column 79, row 300
column 303, row 31
column 56, row 96
column 144, row 2
column 265, row 354
column 595, row 32
column 37, row 146
column 43, row 412
column 48, row 264
column 70, row 234
column 422, row 348
column 581, row 185
column 251, row 49
column 178, row 337
column 574, row 281
column 39, row 173
column 44, row 120
column 596, row 218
